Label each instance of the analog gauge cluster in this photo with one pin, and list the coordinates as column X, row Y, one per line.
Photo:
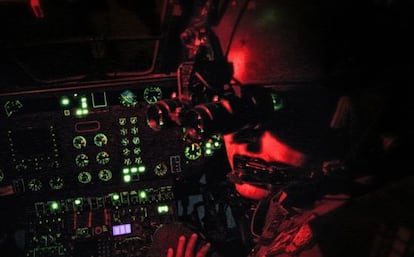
column 131, row 151
column 92, row 158
column 54, row 183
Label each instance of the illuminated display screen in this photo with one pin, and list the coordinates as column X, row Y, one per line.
column 120, row 230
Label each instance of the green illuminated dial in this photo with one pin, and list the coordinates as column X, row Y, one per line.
column 152, row 94
column 79, row 142
column 100, row 140
column 34, row 184
column 84, row 177
column 82, row 160
column 193, row 151
column 136, row 140
column 137, row 150
column 138, row 160
column 123, row 131
column 133, row 120
column 124, row 141
column 160, row 169
column 126, row 152
column 103, row 158
column 56, row 183
column 105, row 175
column 134, row 130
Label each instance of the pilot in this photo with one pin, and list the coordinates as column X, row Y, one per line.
column 329, row 169
column 347, row 192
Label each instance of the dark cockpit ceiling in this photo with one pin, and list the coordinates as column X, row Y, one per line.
column 303, row 41
column 266, row 41
column 59, row 41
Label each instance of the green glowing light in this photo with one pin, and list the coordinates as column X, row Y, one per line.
column 85, row 111
column 208, row 145
column 54, row 206
column 141, row 169
column 125, row 170
column 78, row 201
column 83, row 99
column 84, row 105
column 79, row 112
column 64, row 101
column 142, row 194
column 134, row 170
column 277, row 102
column 163, row 209
column 208, row 152
column 115, row 197
column 127, row 178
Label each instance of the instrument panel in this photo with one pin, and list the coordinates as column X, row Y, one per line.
column 86, row 174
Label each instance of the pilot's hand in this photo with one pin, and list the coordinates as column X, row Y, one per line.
column 188, row 250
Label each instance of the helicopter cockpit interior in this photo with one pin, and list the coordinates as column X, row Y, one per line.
column 115, row 115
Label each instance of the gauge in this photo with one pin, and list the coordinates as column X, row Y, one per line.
column 127, row 161
column 35, row 184
column 79, row 142
column 126, row 152
column 160, row 169
column 102, row 158
column 152, row 94
column 56, row 183
column 123, row 131
column 124, row 141
column 133, row 120
column 122, row 121
column 136, row 140
column 105, row 175
column 138, row 160
column 134, row 130
column 84, row 177
column 128, row 98
column 1, row 175
column 82, row 160
column 137, row 150
column 193, row 151
column 100, row 140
